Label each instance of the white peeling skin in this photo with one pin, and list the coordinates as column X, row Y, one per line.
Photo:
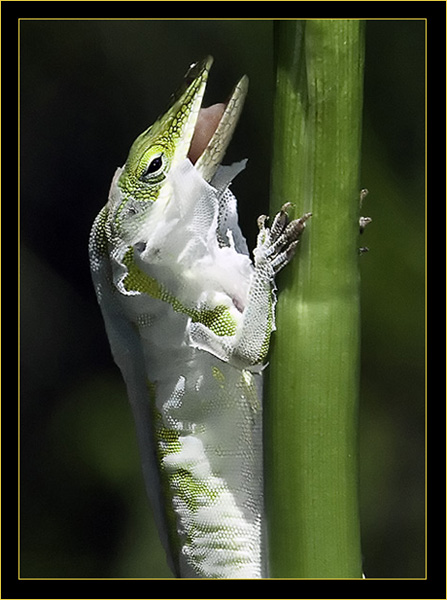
column 207, row 123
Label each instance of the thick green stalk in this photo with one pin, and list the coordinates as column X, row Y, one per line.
column 312, row 392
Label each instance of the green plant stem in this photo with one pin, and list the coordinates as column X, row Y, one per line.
column 312, row 391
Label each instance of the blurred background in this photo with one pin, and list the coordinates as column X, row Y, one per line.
column 88, row 88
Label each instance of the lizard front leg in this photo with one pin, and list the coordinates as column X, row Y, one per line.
column 275, row 248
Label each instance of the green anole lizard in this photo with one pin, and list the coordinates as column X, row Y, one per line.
column 189, row 317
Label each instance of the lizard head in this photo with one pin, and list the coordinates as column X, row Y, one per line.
column 185, row 130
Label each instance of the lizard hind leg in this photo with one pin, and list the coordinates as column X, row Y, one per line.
column 277, row 244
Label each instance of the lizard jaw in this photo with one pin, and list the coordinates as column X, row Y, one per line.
column 214, row 129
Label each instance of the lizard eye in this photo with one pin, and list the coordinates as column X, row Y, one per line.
column 154, row 170
column 154, row 166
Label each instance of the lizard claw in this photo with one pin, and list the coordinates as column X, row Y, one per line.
column 363, row 221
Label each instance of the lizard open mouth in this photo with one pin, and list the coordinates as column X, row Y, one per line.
column 207, row 123
column 215, row 125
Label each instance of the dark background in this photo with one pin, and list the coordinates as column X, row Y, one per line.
column 87, row 89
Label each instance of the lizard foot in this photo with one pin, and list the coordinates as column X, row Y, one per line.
column 277, row 244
